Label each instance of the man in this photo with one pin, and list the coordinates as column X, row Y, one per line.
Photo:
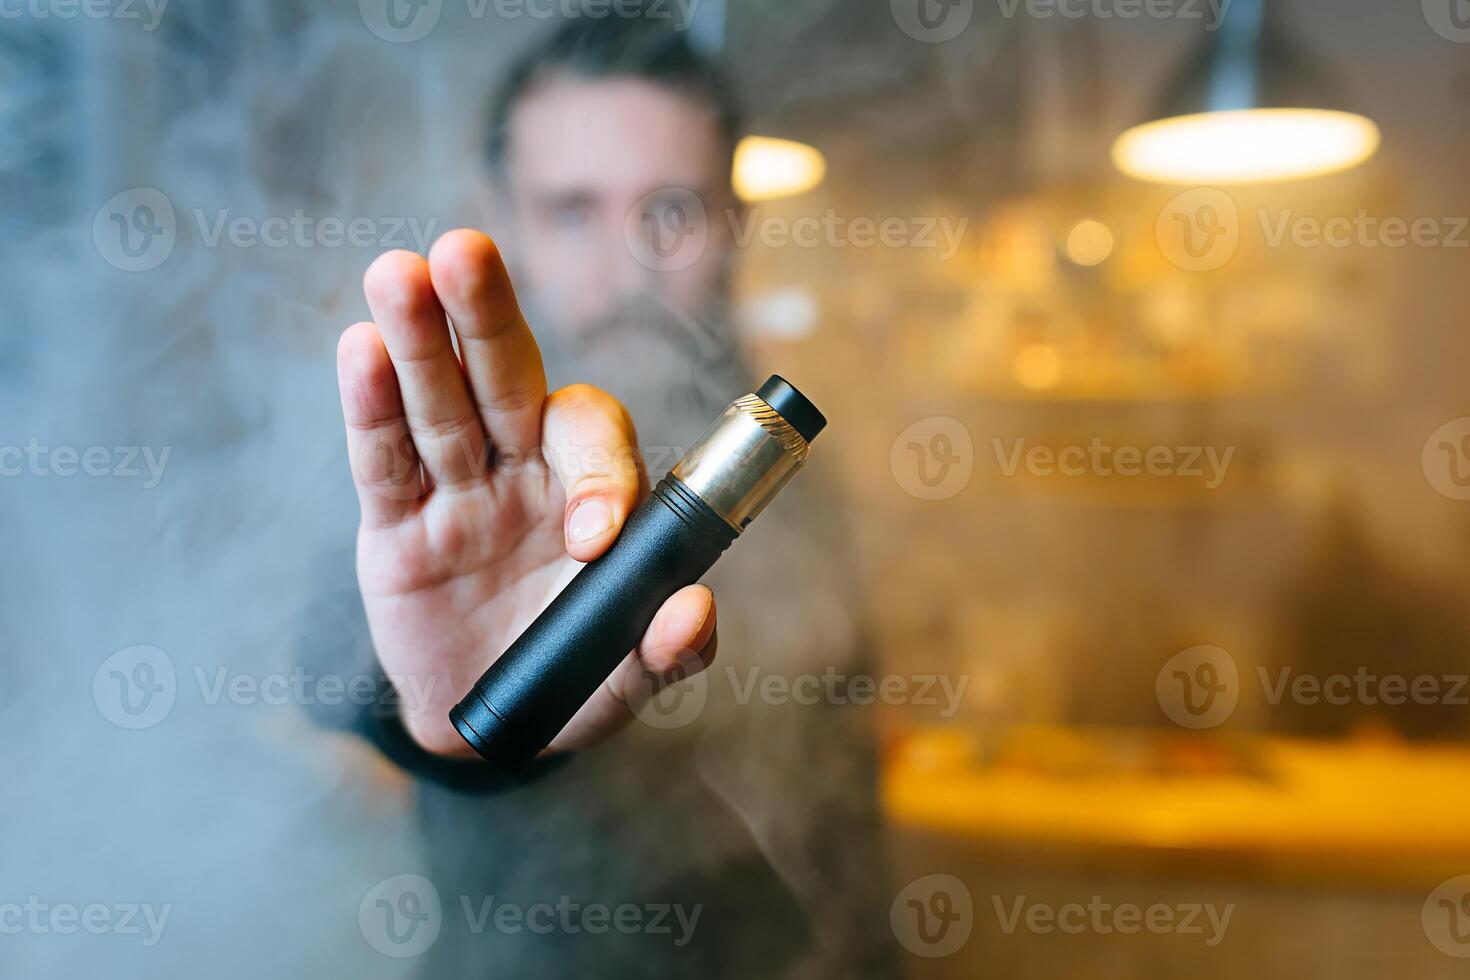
column 759, row 817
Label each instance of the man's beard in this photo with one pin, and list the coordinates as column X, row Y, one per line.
column 673, row 371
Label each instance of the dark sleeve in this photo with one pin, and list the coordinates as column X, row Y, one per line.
column 381, row 725
column 334, row 641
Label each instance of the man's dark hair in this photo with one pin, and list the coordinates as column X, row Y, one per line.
column 613, row 46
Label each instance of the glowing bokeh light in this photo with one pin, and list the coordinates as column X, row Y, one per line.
column 767, row 168
column 1089, row 242
column 1246, row 146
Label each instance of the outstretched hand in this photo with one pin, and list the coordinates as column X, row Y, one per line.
column 481, row 492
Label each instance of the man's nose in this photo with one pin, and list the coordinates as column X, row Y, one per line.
column 632, row 271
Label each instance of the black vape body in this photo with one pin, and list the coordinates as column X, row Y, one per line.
column 529, row 694
column 524, row 699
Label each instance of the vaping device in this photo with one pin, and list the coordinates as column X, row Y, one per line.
column 728, row 477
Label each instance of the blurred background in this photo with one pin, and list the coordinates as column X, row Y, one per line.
column 1141, row 328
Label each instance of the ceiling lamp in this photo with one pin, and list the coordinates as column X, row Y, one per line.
column 767, row 168
column 1248, row 107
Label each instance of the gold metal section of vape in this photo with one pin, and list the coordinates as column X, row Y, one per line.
column 743, row 460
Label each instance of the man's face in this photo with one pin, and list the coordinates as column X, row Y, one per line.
column 599, row 178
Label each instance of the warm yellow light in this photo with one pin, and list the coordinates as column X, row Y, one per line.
column 766, row 168
column 1245, row 146
column 1037, row 366
column 1089, row 242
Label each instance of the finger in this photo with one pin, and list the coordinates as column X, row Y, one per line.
column 681, row 639
column 679, row 643
column 501, row 359
column 446, row 430
column 591, row 445
column 385, row 467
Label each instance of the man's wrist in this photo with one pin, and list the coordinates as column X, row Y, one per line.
column 382, row 725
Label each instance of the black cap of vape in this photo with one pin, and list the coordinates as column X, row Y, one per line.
column 793, row 406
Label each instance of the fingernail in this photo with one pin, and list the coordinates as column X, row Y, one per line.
column 591, row 518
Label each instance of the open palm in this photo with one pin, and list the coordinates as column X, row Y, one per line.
column 480, row 492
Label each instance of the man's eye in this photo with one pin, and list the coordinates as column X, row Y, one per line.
column 571, row 216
